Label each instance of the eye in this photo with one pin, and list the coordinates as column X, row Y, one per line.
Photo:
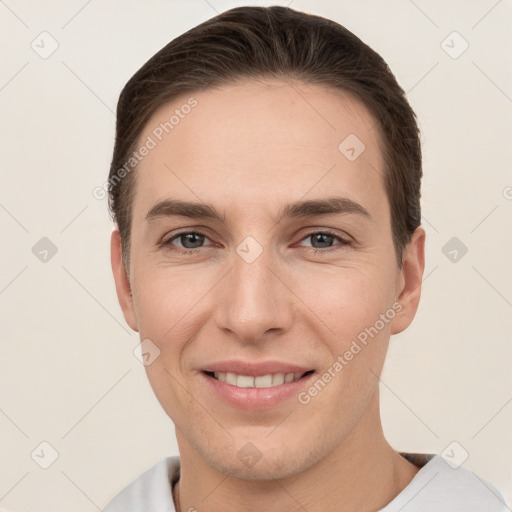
column 189, row 241
column 324, row 240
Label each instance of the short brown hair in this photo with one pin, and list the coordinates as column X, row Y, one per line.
column 273, row 42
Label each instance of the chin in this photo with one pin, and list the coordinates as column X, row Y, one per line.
column 266, row 469
column 264, row 460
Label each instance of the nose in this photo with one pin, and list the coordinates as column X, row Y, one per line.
column 254, row 301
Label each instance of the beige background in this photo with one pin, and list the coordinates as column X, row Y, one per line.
column 68, row 376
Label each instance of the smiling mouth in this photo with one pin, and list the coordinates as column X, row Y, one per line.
column 262, row 381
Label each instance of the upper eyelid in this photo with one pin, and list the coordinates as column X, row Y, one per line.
column 343, row 239
column 167, row 239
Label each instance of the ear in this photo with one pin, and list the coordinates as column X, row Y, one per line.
column 123, row 288
column 410, row 278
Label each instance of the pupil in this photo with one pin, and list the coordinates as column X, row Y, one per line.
column 187, row 238
column 321, row 236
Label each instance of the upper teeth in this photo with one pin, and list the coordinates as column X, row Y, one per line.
column 263, row 381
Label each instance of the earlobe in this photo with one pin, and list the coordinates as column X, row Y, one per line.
column 411, row 275
column 122, row 281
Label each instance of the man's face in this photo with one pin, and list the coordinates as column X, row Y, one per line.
column 258, row 287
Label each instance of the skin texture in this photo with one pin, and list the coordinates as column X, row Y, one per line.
column 249, row 149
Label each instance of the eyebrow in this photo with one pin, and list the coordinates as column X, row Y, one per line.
column 298, row 209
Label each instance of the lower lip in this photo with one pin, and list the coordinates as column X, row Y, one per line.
column 256, row 398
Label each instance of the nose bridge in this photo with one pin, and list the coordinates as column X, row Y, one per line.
column 254, row 300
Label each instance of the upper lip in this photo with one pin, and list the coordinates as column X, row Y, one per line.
column 254, row 369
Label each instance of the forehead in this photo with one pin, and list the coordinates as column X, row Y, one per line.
column 259, row 144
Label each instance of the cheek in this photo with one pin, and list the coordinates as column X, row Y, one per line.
column 346, row 301
column 166, row 305
column 169, row 388
column 165, row 301
column 163, row 314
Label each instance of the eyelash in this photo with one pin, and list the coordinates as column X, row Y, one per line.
column 167, row 243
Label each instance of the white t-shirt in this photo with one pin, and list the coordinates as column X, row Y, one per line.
column 437, row 487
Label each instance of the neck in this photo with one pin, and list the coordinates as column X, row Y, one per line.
column 362, row 473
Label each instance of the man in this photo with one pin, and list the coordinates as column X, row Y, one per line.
column 265, row 186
